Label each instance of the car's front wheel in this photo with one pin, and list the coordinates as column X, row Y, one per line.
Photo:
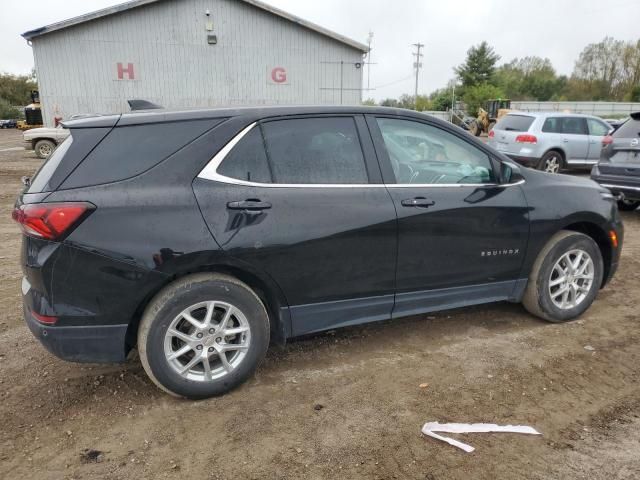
column 565, row 278
column 203, row 335
column 44, row 148
column 627, row 205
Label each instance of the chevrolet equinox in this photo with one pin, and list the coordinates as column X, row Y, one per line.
column 200, row 236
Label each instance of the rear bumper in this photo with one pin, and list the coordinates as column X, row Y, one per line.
column 619, row 185
column 87, row 344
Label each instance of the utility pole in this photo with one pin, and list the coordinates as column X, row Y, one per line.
column 369, row 61
column 417, row 65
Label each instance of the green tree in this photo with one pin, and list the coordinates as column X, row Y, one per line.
column 479, row 66
column 441, row 99
column 370, row 102
column 529, row 78
column 389, row 102
column 16, row 89
column 475, row 97
column 7, row 111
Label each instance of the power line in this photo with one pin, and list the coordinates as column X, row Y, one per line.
column 394, row 82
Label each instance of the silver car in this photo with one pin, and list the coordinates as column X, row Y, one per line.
column 550, row 141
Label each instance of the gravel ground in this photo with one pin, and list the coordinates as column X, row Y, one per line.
column 345, row 404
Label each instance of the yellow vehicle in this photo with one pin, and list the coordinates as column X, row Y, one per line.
column 487, row 117
column 32, row 113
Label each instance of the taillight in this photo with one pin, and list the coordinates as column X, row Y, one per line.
column 608, row 140
column 51, row 221
column 45, row 319
column 491, row 134
column 526, row 139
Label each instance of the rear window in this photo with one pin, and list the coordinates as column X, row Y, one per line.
column 629, row 129
column 515, row 123
column 131, row 150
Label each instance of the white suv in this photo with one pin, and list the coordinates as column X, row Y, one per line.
column 550, row 141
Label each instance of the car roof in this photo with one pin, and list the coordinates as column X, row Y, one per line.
column 553, row 114
column 140, row 117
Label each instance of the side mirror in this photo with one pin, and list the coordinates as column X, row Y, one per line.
column 510, row 173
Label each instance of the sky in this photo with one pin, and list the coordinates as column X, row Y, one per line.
column 556, row 29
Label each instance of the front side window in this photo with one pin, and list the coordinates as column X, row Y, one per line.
column 596, row 128
column 423, row 154
column 315, row 151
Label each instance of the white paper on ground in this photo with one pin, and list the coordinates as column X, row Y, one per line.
column 430, row 427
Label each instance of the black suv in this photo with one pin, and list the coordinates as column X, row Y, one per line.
column 199, row 236
column 619, row 165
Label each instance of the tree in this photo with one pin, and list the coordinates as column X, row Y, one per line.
column 607, row 70
column 529, row 78
column 475, row 97
column 479, row 66
column 441, row 99
column 370, row 102
column 7, row 111
column 16, row 89
column 389, row 102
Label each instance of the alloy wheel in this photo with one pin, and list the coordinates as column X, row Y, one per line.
column 207, row 341
column 552, row 164
column 571, row 279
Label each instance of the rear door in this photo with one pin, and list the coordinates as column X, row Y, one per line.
column 598, row 129
column 302, row 199
column 461, row 236
column 575, row 139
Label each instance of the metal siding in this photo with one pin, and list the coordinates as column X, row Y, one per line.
column 176, row 67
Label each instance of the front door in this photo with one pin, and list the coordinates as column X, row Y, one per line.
column 302, row 200
column 597, row 131
column 461, row 236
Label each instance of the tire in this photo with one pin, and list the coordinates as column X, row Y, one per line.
column 538, row 296
column 628, row 205
column 44, row 148
column 475, row 129
column 551, row 162
column 166, row 310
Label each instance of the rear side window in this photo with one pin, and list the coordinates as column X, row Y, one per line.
column 66, row 158
column 629, row 129
column 552, row 125
column 574, row 125
column 515, row 123
column 248, row 160
column 131, row 150
column 597, row 128
column 315, row 151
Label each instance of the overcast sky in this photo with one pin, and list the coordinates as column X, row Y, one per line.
column 557, row 29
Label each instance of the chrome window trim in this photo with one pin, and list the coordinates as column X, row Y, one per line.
column 210, row 172
column 620, row 187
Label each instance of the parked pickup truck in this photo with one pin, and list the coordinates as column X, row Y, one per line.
column 44, row 140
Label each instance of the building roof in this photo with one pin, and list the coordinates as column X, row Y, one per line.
column 123, row 7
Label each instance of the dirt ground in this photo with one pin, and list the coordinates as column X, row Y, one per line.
column 345, row 404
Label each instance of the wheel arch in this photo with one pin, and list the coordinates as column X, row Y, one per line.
column 559, row 150
column 265, row 288
column 601, row 238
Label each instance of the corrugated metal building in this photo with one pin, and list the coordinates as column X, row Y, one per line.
column 191, row 53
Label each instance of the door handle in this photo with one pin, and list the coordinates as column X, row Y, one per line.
column 419, row 202
column 253, row 207
column 565, row 140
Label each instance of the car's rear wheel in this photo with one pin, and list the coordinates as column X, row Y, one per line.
column 551, row 162
column 565, row 277
column 203, row 335
column 44, row 148
column 627, row 205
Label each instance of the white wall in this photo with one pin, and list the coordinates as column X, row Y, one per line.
column 175, row 66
